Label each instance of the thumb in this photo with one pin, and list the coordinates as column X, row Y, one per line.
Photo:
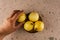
column 20, row 25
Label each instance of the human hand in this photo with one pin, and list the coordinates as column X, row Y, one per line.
column 9, row 25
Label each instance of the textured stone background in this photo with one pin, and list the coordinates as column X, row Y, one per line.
column 49, row 11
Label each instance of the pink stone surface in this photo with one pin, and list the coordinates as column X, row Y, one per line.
column 49, row 11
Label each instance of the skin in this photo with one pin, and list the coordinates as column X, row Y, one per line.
column 9, row 25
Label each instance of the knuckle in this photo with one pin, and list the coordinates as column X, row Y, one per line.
column 10, row 20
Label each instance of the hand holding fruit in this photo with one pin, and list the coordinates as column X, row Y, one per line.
column 10, row 24
column 33, row 24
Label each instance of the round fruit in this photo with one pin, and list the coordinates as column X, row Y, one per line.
column 28, row 26
column 22, row 17
column 34, row 27
column 39, row 26
column 33, row 16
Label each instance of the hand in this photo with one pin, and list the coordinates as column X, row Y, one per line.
column 9, row 25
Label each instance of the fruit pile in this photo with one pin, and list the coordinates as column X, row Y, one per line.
column 33, row 22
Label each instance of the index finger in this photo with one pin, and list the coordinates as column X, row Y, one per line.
column 14, row 12
column 15, row 17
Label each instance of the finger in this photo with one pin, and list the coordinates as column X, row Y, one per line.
column 19, row 25
column 15, row 17
column 14, row 12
